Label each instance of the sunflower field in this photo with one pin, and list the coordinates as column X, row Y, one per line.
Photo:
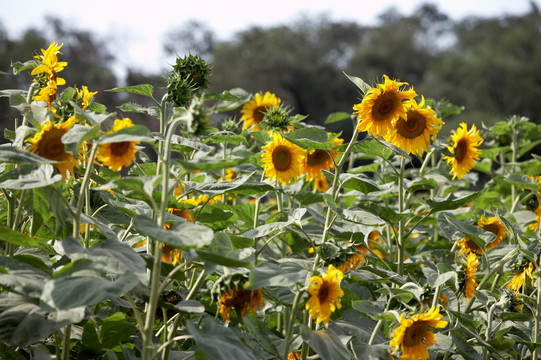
column 239, row 231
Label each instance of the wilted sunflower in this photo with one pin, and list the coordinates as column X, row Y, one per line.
column 519, row 280
column 465, row 150
column 414, row 132
column 382, row 106
column 324, row 295
column 244, row 301
column 413, row 336
column 116, row 155
column 469, row 281
column 316, row 160
column 494, row 226
column 48, row 144
column 282, row 160
column 254, row 110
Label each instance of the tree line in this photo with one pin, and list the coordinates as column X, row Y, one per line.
column 490, row 66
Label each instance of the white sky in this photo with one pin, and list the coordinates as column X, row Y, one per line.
column 136, row 29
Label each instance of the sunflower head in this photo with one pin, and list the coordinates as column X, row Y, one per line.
column 230, row 292
column 414, row 335
column 494, row 226
column 276, row 119
column 84, row 97
column 464, row 149
column 194, row 70
column 254, row 110
column 470, row 283
column 519, row 280
column 282, row 160
column 417, row 130
column 325, row 294
column 382, row 106
column 48, row 144
column 117, row 155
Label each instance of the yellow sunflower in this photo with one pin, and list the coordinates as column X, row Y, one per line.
column 494, row 226
column 382, row 106
column 465, row 150
column 48, row 144
column 321, row 183
column 49, row 63
column 244, row 301
column 118, row 154
column 414, row 336
column 417, row 130
column 85, row 96
column 469, row 283
column 467, row 245
column 253, row 110
column 324, row 295
column 535, row 224
column 316, row 160
column 519, row 280
column 282, row 160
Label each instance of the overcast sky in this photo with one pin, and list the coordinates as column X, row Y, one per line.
column 136, row 29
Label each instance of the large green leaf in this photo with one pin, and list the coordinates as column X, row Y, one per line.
column 143, row 89
column 363, row 86
column 286, row 273
column 15, row 155
column 451, row 226
column 325, row 343
column 266, row 229
column 182, row 235
column 310, row 138
column 451, row 202
column 18, row 239
column 39, row 177
column 132, row 133
column 337, row 116
column 219, row 342
column 358, row 182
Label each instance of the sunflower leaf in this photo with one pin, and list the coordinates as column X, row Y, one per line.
column 143, row 89
column 363, row 86
column 310, row 138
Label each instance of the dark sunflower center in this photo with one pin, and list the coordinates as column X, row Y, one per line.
column 472, row 245
column 281, row 158
column 411, row 128
column 51, row 146
column 461, row 150
column 259, row 113
column 318, row 157
column 120, row 148
column 384, row 106
column 323, row 293
column 415, row 334
column 492, row 228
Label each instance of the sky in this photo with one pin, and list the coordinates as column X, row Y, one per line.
column 136, row 29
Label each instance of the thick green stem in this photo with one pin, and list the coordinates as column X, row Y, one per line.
column 378, row 324
column 535, row 351
column 291, row 323
column 401, row 240
column 66, row 343
column 84, row 185
column 488, row 329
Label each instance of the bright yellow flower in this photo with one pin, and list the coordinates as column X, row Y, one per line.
column 382, row 106
column 519, row 280
column 465, row 150
column 321, row 183
column 49, row 63
column 282, row 160
column 467, row 245
column 417, row 130
column 118, row 154
column 47, row 93
column 85, row 95
column 469, row 283
column 294, row 355
column 324, row 295
column 48, row 144
column 254, row 110
column 317, row 160
column 494, row 226
column 244, row 301
column 413, row 336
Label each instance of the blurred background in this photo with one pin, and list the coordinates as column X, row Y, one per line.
column 482, row 55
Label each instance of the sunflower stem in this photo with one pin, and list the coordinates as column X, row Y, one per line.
column 489, row 328
column 82, row 197
column 401, row 239
column 535, row 352
column 66, row 343
column 291, row 324
column 378, row 324
column 513, row 161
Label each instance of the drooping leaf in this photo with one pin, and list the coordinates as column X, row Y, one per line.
column 325, row 343
column 143, row 89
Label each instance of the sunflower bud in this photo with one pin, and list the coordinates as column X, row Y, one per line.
column 199, row 118
column 276, row 118
column 231, row 125
column 190, row 75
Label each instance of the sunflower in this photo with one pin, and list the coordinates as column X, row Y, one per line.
column 48, row 144
column 413, row 336
column 469, row 283
column 118, row 154
column 467, row 245
column 382, row 106
column 244, row 301
column 316, row 160
column 465, row 150
column 494, row 226
column 414, row 132
column 49, row 64
column 254, row 110
column 354, row 261
column 324, row 294
column 519, row 280
column 85, row 96
column 321, row 183
column 282, row 160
